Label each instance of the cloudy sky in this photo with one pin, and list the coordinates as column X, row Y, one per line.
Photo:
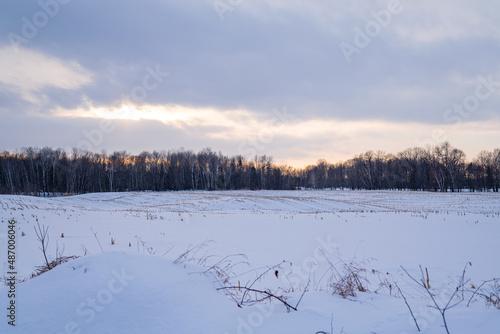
column 297, row 80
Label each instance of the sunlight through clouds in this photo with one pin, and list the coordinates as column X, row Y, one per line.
column 329, row 138
column 232, row 123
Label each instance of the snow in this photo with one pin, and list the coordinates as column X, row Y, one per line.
column 115, row 292
column 385, row 229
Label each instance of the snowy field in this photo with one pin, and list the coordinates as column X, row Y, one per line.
column 131, row 285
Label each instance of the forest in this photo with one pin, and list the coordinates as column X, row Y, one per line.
column 50, row 172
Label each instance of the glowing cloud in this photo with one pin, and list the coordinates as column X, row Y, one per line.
column 27, row 72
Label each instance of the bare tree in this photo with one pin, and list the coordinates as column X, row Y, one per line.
column 47, row 171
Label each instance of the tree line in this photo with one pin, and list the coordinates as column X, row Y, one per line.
column 48, row 171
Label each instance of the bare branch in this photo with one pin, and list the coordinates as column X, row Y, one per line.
column 95, row 236
column 409, row 308
column 442, row 309
column 43, row 237
column 267, row 295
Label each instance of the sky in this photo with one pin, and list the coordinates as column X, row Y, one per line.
column 296, row 80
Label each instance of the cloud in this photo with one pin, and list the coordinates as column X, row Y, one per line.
column 28, row 73
column 226, row 77
column 266, row 54
column 437, row 21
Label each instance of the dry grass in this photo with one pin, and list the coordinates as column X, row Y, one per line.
column 347, row 278
column 493, row 297
column 59, row 260
column 489, row 291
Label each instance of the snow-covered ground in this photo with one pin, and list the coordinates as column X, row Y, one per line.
column 133, row 286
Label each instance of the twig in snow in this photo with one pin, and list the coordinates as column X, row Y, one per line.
column 95, row 236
